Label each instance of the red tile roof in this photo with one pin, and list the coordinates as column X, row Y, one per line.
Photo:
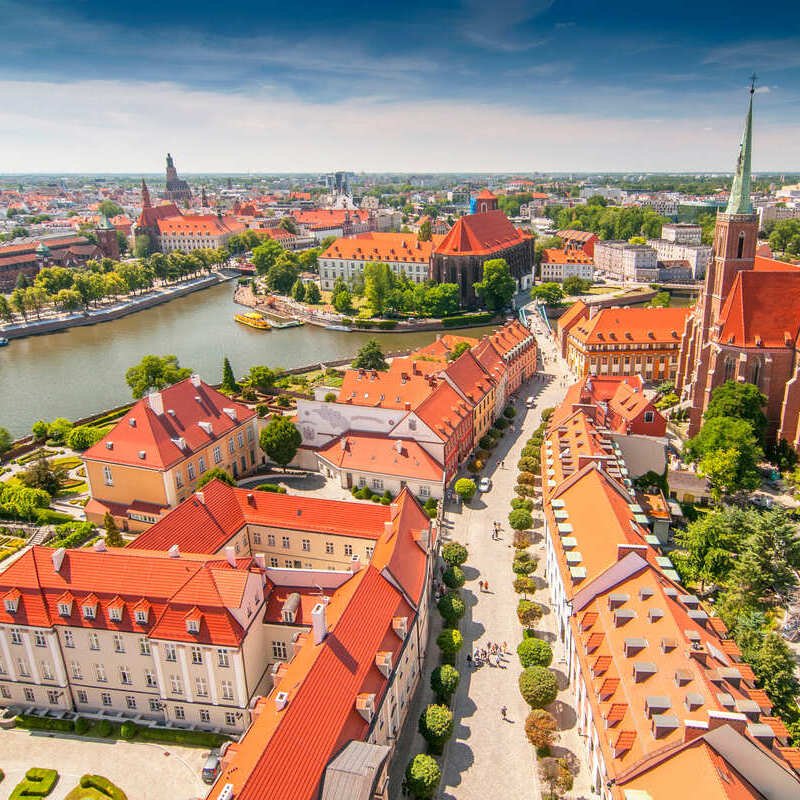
column 469, row 377
column 629, row 325
column 403, row 386
column 553, row 255
column 481, row 234
column 199, row 225
column 388, row 248
column 156, row 435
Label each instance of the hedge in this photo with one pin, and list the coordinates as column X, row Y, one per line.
column 38, row 782
column 103, row 786
column 271, row 487
column 462, row 320
column 34, row 723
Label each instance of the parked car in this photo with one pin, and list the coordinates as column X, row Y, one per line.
column 484, row 484
column 211, row 768
column 530, row 402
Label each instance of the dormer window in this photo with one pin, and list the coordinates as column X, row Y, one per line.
column 89, row 612
column 65, row 609
column 193, row 625
column 11, row 601
column 115, row 613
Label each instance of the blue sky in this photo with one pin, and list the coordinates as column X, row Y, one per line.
column 442, row 86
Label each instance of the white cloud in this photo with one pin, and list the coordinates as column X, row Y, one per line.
column 110, row 126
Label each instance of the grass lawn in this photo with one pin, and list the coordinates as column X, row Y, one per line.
column 604, row 289
column 68, row 462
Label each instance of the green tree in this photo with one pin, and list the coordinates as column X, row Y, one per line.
column 549, row 293
column 265, row 255
column 425, row 232
column 449, row 641
column 288, row 224
column 155, row 372
column 39, row 430
column 422, row 776
column 142, row 246
column 453, row 577
column 35, row 299
column 229, row 384
column 378, row 282
column 59, row 429
column 452, row 607
column 436, row 726
column 262, row 378
column 215, row 473
column 529, row 613
column 370, row 356
column 6, row 313
column 313, row 295
column 83, row 437
column 439, row 300
column 343, row 301
column 575, row 285
column 109, row 208
column 113, row 536
column 498, row 285
column 742, row 401
column 555, row 774
column 465, row 488
column 444, row 682
column 280, row 440
column 454, row 554
column 660, row 300
column 541, row 728
column 5, row 441
column 774, row 666
column 721, row 469
column 538, row 686
column 299, row 290
column 281, row 276
column 459, row 350
column 520, row 519
column 785, row 237
column 44, row 475
column 534, row 652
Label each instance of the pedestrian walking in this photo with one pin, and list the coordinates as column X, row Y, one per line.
column 480, row 584
column 486, row 586
column 503, row 712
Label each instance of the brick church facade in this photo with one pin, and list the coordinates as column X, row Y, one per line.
column 746, row 324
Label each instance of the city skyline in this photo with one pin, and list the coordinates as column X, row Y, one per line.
column 455, row 87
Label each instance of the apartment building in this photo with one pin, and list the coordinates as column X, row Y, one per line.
column 153, row 457
column 517, row 347
column 189, row 232
column 661, row 693
column 626, row 341
column 625, row 261
column 477, row 387
column 683, row 242
column 558, row 265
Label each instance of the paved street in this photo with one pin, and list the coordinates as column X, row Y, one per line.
column 489, row 755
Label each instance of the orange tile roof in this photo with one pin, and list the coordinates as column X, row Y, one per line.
column 388, row 248
column 376, row 453
column 405, row 385
column 632, row 325
column 157, row 435
column 554, row 255
column 441, row 348
column 443, row 410
column 199, row 225
column 577, row 236
column 576, row 311
column 511, row 335
column 328, row 217
column 481, row 234
column 469, row 377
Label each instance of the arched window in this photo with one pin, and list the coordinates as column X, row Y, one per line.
column 740, row 248
column 730, row 369
column 756, row 373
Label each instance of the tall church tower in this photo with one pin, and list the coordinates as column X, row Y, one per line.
column 734, row 250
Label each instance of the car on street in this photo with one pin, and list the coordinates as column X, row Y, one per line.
column 484, row 484
column 530, row 402
column 211, row 768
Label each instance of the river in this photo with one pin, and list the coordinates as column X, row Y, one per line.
column 82, row 371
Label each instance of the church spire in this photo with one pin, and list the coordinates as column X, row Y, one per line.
column 739, row 201
column 145, row 195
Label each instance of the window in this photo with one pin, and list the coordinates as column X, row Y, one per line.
column 205, row 716
column 251, row 435
column 75, row 668
column 201, row 687
column 362, row 482
column 39, row 639
column 100, row 673
column 64, row 609
column 279, row 650
column 190, row 471
column 230, row 719
column 47, row 671
column 348, row 550
column 756, row 373
column 94, row 642
column 329, row 548
column 2, row 668
column 178, row 479
column 119, row 643
column 273, row 562
column 30, row 697
column 115, row 613
column 5, row 692
column 222, row 658
column 82, row 696
column 201, row 464
column 22, row 668
column 144, row 646
column 141, row 616
column 369, row 550
column 175, row 684
column 150, row 679
column 69, row 639
column 649, row 416
column 217, row 454
column 16, row 636
column 287, row 563
column 424, row 491
column 130, row 701
column 271, row 539
column 227, row 690
column 125, row 676
column 169, row 652
column 108, row 478
column 180, row 712
column 230, row 445
column 256, row 537
column 285, row 542
column 155, row 705
column 89, row 611
column 740, row 246
column 105, row 698
column 377, row 483
column 240, row 439
column 306, row 545
column 193, row 625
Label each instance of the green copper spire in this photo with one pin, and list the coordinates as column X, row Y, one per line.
column 739, row 201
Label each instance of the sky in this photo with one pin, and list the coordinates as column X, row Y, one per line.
column 385, row 86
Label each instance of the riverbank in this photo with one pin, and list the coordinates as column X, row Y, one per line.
column 130, row 305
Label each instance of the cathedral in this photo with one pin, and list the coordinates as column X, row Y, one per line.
column 746, row 324
column 178, row 190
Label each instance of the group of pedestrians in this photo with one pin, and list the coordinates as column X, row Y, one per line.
column 496, row 528
column 494, row 654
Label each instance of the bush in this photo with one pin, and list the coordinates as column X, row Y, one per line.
column 463, row 320
column 271, row 487
column 455, row 554
column 38, row 782
column 500, row 424
column 538, row 686
column 449, row 642
column 104, row 728
column 509, row 412
column 528, row 464
column 385, row 501
column 522, row 502
column 525, row 490
column 81, row 725
column 486, row 442
column 520, row 519
column 376, row 498
column 422, row 776
column 34, row 723
column 83, row 437
column 453, row 577
column 465, row 489
column 529, row 613
column 534, row 652
column 436, row 726
column 103, row 786
column 526, row 477
column 387, row 325
column 524, row 564
column 452, row 607
column 524, row 585
column 444, row 682
column 128, row 730
column 178, row 736
column 541, row 728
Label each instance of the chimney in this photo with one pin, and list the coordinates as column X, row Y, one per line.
column 58, row 558
column 201, row 497
column 230, row 555
column 625, row 548
column 251, row 499
column 398, row 445
column 195, row 379
column 261, row 560
column 343, row 443
column 716, row 719
column 693, row 729
column 388, row 527
column 174, row 551
column 281, row 699
column 319, row 623
column 99, row 546
column 156, row 402
column 355, row 563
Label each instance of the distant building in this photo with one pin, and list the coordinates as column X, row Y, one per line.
column 30, row 255
column 558, row 265
column 626, row 262
column 606, row 192
column 177, row 190
column 683, row 242
column 583, row 240
column 775, row 213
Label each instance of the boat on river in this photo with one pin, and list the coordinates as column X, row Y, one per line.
column 3, row 341
column 253, row 320
column 289, row 323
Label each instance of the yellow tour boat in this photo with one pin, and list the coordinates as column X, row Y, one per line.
column 253, row 320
